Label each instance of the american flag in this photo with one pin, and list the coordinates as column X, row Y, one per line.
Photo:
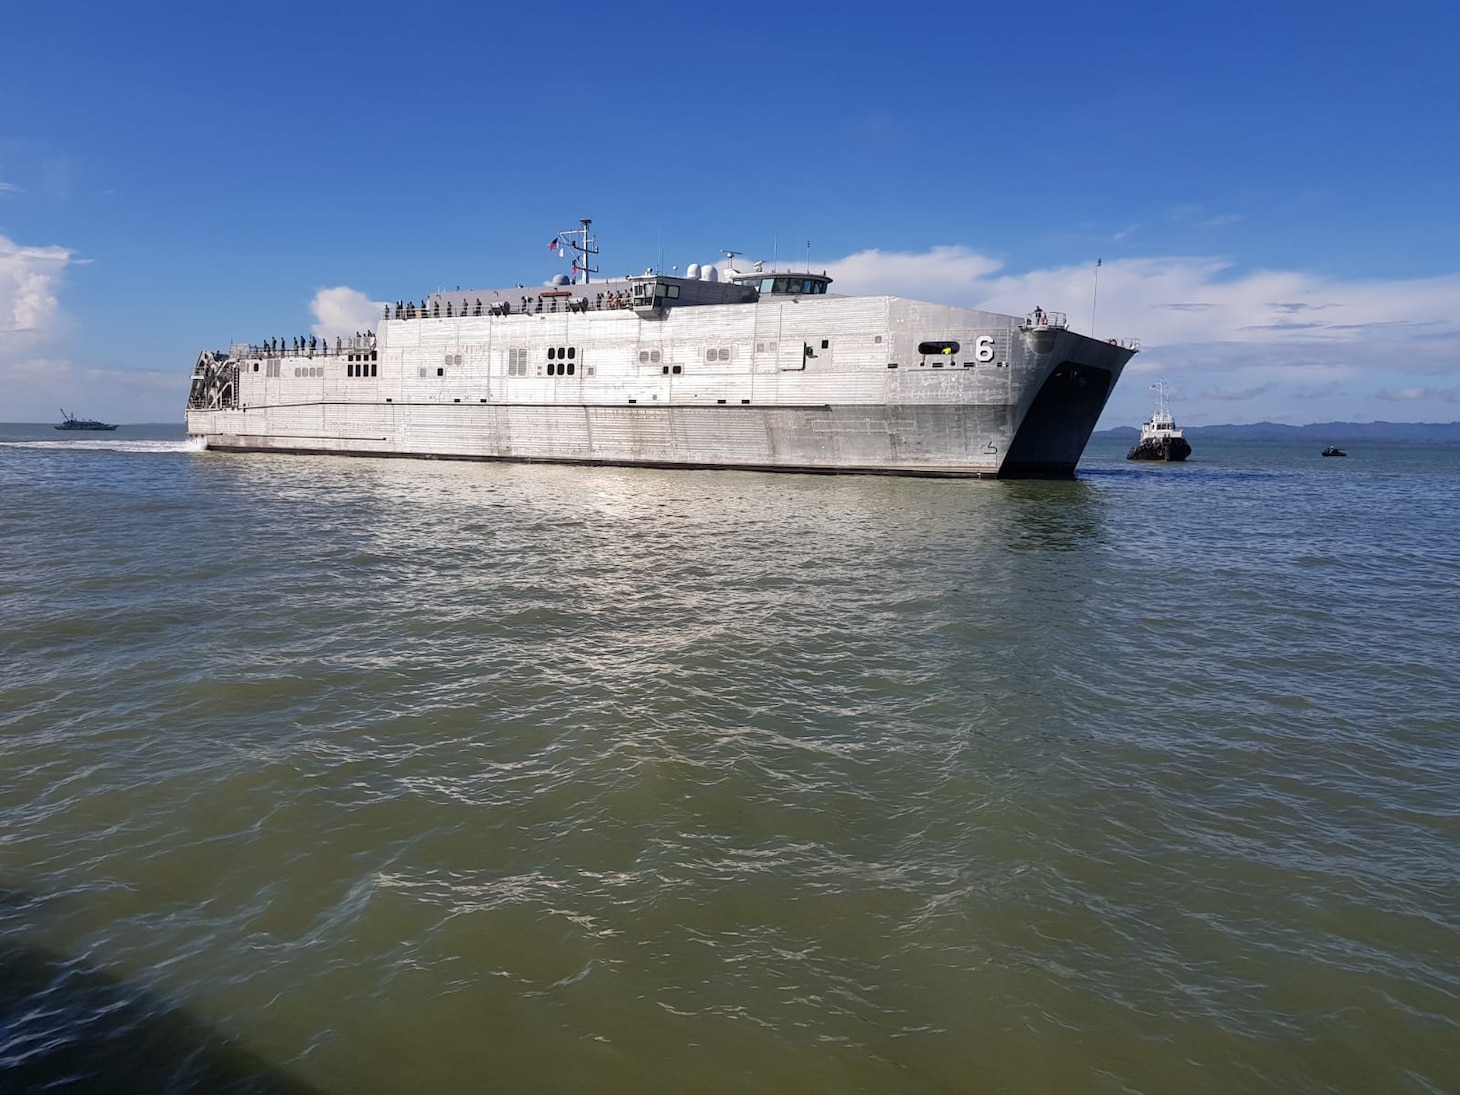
column 553, row 244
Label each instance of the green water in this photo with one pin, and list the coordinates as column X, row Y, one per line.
column 386, row 776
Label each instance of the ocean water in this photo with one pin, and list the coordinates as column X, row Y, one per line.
column 332, row 775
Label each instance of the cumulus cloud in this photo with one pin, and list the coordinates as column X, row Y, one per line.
column 1412, row 395
column 342, row 311
column 29, row 280
column 1287, row 344
column 949, row 272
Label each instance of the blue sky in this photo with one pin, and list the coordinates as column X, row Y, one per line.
column 1270, row 188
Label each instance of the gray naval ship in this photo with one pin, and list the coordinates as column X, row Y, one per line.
column 747, row 368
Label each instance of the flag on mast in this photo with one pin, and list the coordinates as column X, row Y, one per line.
column 553, row 244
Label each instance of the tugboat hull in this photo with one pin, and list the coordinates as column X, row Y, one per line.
column 1170, row 449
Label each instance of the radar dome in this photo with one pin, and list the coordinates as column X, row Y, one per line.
column 692, row 271
column 562, row 279
column 709, row 273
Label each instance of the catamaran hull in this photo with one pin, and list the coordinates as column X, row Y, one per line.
column 856, row 390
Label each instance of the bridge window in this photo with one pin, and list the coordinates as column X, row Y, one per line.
column 793, row 285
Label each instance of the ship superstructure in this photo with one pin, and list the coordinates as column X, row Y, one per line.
column 753, row 368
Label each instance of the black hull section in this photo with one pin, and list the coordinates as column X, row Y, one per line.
column 1170, row 449
column 1058, row 426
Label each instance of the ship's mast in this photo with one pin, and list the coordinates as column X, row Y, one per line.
column 583, row 244
column 1162, row 411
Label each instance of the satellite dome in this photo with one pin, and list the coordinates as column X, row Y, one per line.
column 562, row 279
column 692, row 271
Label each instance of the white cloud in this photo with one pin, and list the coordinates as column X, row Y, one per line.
column 36, row 377
column 1271, row 344
column 1281, row 344
column 1412, row 395
column 949, row 272
column 29, row 279
column 342, row 311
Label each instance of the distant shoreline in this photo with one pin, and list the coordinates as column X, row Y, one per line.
column 1428, row 432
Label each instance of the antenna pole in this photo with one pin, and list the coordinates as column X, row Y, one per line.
column 1094, row 297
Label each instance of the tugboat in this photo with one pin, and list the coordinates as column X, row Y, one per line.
column 1160, row 439
column 73, row 423
column 1334, row 450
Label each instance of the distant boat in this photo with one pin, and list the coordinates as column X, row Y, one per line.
column 1334, row 450
column 73, row 423
column 1160, row 439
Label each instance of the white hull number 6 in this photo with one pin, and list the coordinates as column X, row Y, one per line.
column 983, row 348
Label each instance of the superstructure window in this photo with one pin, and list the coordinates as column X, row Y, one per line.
column 792, row 285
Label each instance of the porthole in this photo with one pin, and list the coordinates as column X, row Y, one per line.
column 570, row 368
column 572, row 352
column 552, row 353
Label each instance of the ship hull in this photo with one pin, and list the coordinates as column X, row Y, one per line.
column 1169, row 449
column 848, row 394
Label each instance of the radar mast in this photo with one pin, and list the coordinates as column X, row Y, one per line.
column 583, row 244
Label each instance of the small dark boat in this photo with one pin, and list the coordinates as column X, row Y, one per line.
column 73, row 423
column 1334, row 450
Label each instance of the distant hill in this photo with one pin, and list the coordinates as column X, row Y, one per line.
column 1325, row 432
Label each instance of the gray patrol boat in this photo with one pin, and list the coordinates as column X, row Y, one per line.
column 744, row 368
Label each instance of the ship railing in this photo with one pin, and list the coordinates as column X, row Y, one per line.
column 339, row 349
column 546, row 301
column 1131, row 344
column 1040, row 318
